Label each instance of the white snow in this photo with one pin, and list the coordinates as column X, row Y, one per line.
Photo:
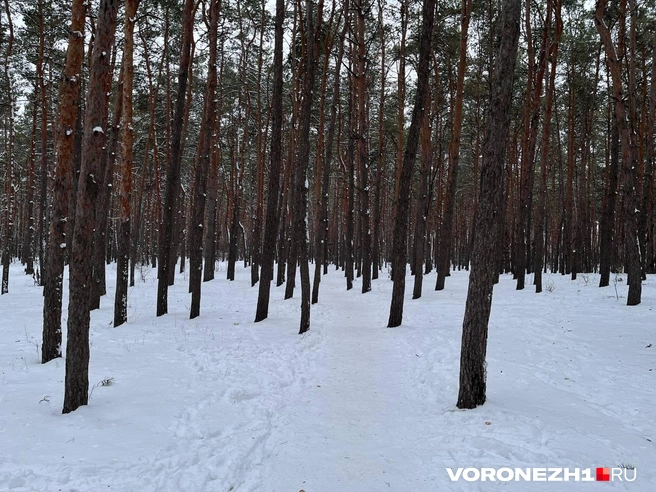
column 97, row 129
column 221, row 403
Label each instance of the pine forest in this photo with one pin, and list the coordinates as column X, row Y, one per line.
column 188, row 186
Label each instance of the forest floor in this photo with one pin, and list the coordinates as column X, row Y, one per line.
column 223, row 404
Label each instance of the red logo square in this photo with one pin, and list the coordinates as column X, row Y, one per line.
column 603, row 474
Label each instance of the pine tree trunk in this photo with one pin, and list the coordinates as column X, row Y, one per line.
column 423, row 204
column 261, row 157
column 125, row 191
column 43, row 222
column 541, row 211
column 487, row 224
column 399, row 252
column 446, row 236
column 613, row 59
column 324, row 158
column 650, row 163
column 104, row 203
column 312, row 40
column 95, row 126
column 376, row 255
column 273, row 190
column 532, row 122
column 9, row 161
column 166, row 246
column 69, row 93
column 363, row 145
column 350, row 190
column 204, row 156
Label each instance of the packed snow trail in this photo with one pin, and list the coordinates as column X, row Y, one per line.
column 223, row 404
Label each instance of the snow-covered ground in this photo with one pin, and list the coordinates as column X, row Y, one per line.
column 223, row 404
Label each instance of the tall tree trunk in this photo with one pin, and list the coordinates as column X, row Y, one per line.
column 43, row 89
column 261, row 157
column 323, row 167
column 607, row 226
column 69, row 94
column 273, row 190
column 202, row 168
column 95, row 125
column 125, row 191
column 380, row 156
column 362, row 135
column 650, row 164
column 104, row 203
column 569, row 255
column 446, row 231
column 312, row 41
column 399, row 252
column 423, row 204
column 9, row 160
column 349, row 240
column 166, row 248
column 532, row 122
column 28, row 245
column 541, row 211
column 485, row 257
column 614, row 58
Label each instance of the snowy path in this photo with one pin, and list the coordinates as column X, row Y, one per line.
column 352, row 423
column 223, row 404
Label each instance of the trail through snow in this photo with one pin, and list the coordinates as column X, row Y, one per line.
column 223, row 404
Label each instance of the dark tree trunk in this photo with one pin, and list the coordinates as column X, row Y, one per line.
column 233, row 245
column 271, row 224
column 650, row 163
column 312, row 40
column 487, row 223
column 28, row 246
column 43, row 86
column 399, row 252
column 261, row 137
column 541, row 212
column 125, row 192
column 204, row 156
column 166, row 246
column 104, row 204
column 380, row 158
column 350, row 169
column 363, row 145
column 95, row 125
column 321, row 256
column 9, row 190
column 209, row 241
column 446, row 231
column 607, row 227
column 627, row 143
column 69, row 93
column 532, row 122
column 423, row 204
